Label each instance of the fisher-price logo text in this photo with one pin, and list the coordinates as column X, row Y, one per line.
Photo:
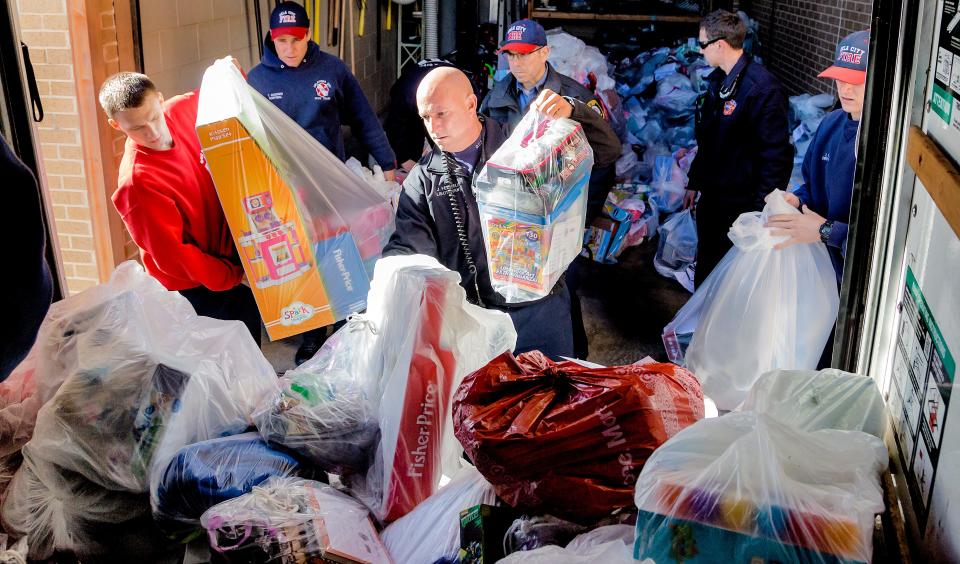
column 288, row 17
column 425, row 420
column 296, row 313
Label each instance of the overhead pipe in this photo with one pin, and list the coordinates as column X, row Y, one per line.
column 430, row 34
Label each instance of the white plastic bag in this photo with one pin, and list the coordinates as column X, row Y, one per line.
column 432, row 530
column 677, row 251
column 828, row 399
column 612, row 544
column 669, row 183
column 761, row 309
column 327, row 407
column 302, row 520
column 308, row 230
column 143, row 376
column 532, row 197
column 56, row 509
column 751, row 488
column 428, row 338
column 675, row 96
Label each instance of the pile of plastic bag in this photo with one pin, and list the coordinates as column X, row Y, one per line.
column 136, row 375
column 539, row 430
column 760, row 309
column 806, row 113
column 771, row 484
column 532, row 197
column 677, row 253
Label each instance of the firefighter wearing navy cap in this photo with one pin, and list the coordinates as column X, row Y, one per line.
column 525, row 46
column 319, row 92
column 527, row 51
column 828, row 166
column 743, row 139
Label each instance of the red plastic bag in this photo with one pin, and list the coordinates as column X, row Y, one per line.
column 568, row 440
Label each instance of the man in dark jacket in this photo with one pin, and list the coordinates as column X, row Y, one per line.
column 319, row 93
column 438, row 214
column 530, row 73
column 744, row 149
column 527, row 51
column 26, row 305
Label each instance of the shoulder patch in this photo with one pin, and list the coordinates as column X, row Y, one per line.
column 597, row 107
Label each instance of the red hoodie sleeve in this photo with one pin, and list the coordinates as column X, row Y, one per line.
column 156, row 227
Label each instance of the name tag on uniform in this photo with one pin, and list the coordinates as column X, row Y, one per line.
column 729, row 106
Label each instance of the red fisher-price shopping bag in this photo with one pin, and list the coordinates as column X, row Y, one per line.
column 568, row 440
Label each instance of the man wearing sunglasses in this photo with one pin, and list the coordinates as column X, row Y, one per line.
column 743, row 139
column 526, row 49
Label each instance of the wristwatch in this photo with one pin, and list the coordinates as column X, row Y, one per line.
column 825, row 230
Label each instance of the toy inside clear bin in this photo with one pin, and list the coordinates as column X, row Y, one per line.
column 532, row 198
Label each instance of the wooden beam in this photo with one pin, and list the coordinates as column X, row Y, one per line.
column 937, row 173
column 585, row 16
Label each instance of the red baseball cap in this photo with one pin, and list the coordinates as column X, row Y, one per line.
column 850, row 62
column 289, row 18
column 524, row 36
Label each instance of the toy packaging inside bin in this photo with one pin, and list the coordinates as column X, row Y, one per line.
column 293, row 520
column 747, row 488
column 532, row 197
column 307, row 228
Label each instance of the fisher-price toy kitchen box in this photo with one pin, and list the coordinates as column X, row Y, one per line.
column 300, row 283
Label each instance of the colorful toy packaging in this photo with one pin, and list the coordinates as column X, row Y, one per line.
column 568, row 440
column 532, row 196
column 293, row 520
column 307, row 228
column 747, row 488
column 604, row 238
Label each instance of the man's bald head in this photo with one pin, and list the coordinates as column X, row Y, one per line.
column 448, row 107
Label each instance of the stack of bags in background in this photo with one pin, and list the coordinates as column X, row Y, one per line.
column 651, row 101
column 806, row 113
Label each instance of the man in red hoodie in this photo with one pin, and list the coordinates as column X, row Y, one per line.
column 168, row 202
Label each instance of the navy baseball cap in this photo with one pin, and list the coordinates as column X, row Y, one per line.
column 850, row 62
column 524, row 36
column 289, row 18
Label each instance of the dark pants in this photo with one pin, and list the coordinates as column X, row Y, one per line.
column 545, row 326
column 715, row 215
column 602, row 179
column 574, row 277
column 236, row 303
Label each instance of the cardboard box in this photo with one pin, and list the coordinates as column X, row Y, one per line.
column 299, row 283
column 482, row 528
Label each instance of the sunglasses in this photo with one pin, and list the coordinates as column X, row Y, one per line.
column 705, row 44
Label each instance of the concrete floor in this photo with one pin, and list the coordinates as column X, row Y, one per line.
column 625, row 307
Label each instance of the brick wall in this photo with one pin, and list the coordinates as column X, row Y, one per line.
column 181, row 38
column 44, row 28
column 799, row 37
